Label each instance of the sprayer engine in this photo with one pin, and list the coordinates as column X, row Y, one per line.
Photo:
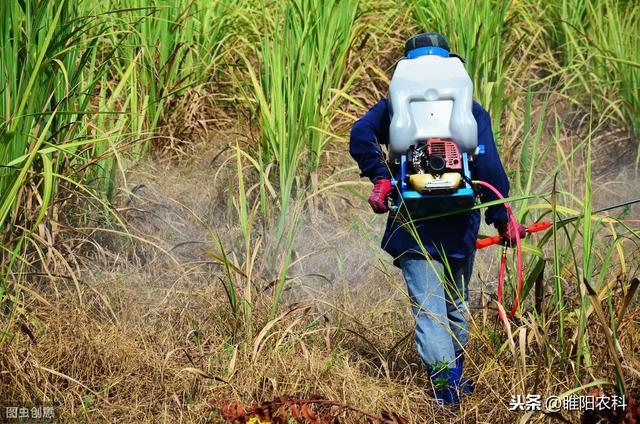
column 432, row 177
column 435, row 166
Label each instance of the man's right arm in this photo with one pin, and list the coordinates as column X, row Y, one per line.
column 367, row 134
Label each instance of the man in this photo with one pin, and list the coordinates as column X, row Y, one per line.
column 438, row 281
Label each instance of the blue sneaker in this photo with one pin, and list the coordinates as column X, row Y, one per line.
column 466, row 385
column 446, row 383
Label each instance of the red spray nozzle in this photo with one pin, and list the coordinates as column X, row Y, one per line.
column 534, row 228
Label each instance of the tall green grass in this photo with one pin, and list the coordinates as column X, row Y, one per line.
column 83, row 87
column 159, row 52
column 78, row 80
column 47, row 76
column 616, row 55
column 295, row 90
column 164, row 47
column 599, row 45
column 297, row 87
column 108, row 72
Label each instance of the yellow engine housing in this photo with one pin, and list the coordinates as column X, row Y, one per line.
column 427, row 183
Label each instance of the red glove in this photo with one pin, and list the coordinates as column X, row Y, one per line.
column 506, row 231
column 379, row 195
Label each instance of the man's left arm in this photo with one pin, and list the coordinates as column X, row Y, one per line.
column 489, row 168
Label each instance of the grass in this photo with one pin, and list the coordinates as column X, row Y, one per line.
column 615, row 47
column 598, row 41
column 165, row 47
column 47, row 73
column 297, row 88
column 139, row 286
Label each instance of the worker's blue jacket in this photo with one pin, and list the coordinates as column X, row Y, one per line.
column 455, row 235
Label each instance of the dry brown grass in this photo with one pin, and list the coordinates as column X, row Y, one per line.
column 121, row 358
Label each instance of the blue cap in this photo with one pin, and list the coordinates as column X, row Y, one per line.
column 427, row 39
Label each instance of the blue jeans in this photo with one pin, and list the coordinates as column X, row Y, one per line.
column 439, row 295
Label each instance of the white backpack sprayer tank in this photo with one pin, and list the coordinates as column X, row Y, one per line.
column 433, row 134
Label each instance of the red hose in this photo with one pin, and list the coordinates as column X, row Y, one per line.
column 514, row 223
